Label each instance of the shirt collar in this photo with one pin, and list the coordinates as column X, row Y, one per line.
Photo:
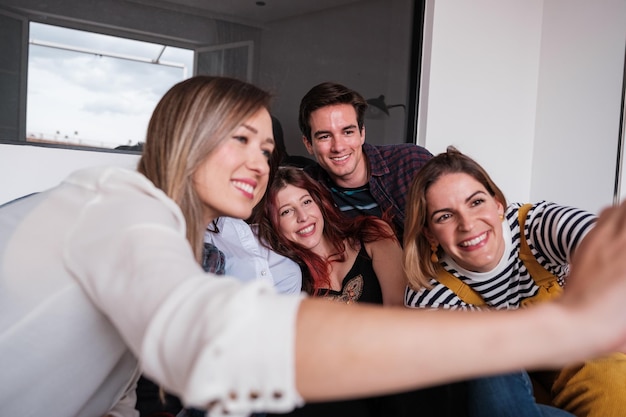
column 377, row 164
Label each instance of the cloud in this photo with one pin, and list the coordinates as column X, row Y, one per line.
column 90, row 97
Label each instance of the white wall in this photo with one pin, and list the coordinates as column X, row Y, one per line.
column 578, row 103
column 26, row 169
column 483, row 85
column 531, row 90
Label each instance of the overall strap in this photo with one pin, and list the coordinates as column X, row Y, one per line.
column 461, row 289
column 539, row 274
column 548, row 284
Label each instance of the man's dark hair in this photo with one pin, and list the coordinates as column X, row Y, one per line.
column 328, row 94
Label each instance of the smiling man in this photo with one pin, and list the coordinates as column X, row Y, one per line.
column 363, row 178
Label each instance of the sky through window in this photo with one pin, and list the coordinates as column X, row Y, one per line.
column 89, row 89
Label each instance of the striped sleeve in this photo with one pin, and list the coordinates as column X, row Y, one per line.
column 554, row 232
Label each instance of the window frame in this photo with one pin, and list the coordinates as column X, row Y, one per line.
column 25, row 19
column 19, row 98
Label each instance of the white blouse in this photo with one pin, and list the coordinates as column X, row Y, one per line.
column 246, row 258
column 96, row 273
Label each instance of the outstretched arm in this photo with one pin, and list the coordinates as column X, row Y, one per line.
column 394, row 349
column 227, row 346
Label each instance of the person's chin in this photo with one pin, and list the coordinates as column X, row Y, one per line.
column 339, row 170
column 239, row 213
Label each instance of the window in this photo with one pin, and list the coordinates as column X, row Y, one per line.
column 94, row 90
column 76, row 60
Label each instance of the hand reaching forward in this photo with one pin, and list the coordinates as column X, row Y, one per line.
column 596, row 287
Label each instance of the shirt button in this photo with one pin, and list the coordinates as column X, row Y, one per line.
column 263, row 273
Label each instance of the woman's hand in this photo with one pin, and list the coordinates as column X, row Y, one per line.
column 597, row 283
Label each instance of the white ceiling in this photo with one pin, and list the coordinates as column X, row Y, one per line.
column 249, row 11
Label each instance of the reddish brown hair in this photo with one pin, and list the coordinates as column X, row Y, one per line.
column 339, row 229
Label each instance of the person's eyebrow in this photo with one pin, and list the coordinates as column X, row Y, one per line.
column 304, row 197
column 250, row 128
column 321, row 132
column 467, row 200
column 327, row 132
column 254, row 130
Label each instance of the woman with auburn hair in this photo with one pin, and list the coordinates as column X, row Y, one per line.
column 465, row 249
column 100, row 278
column 301, row 222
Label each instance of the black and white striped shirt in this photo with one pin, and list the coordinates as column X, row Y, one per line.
column 552, row 232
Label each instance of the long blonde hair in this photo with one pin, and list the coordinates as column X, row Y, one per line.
column 418, row 266
column 188, row 123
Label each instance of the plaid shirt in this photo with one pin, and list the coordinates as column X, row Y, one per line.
column 392, row 168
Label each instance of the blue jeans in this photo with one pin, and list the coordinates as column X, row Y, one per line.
column 508, row 395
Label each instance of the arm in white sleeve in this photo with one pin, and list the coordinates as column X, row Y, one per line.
column 286, row 274
column 193, row 332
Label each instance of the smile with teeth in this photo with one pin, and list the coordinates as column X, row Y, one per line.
column 473, row 242
column 245, row 187
column 340, row 158
column 306, row 230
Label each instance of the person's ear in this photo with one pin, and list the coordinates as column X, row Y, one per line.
column 500, row 207
column 430, row 237
column 308, row 145
column 363, row 135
